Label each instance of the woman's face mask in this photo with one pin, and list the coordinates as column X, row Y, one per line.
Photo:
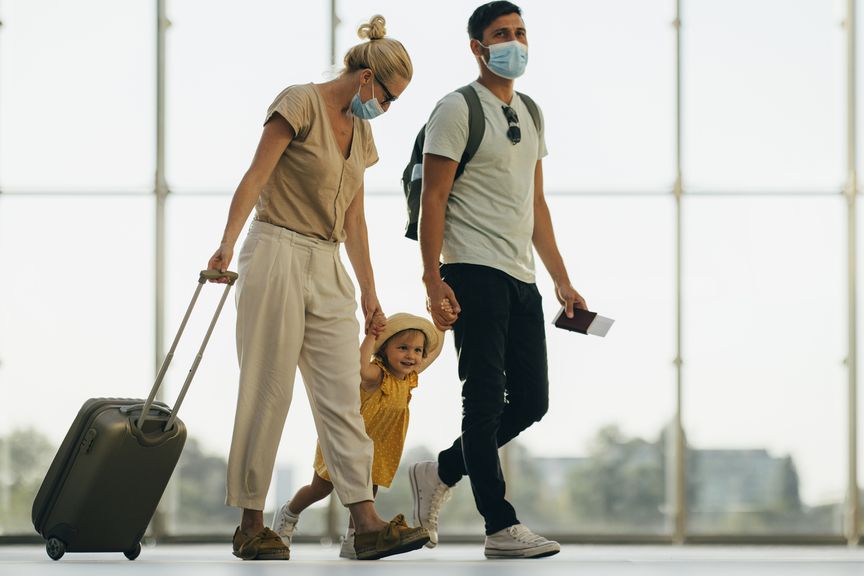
column 366, row 110
column 507, row 59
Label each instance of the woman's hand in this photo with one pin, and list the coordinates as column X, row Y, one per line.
column 220, row 261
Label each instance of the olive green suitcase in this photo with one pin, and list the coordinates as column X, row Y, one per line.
column 109, row 474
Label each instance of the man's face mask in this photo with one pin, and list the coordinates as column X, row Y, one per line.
column 366, row 110
column 507, row 59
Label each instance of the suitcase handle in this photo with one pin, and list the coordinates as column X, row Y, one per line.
column 203, row 276
column 155, row 407
column 216, row 274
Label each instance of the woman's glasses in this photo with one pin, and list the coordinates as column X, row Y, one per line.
column 513, row 132
column 387, row 93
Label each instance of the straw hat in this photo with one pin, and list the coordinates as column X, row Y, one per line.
column 403, row 321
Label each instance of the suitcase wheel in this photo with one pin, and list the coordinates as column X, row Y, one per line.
column 55, row 548
column 133, row 554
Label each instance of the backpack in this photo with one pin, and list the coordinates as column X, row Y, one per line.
column 412, row 176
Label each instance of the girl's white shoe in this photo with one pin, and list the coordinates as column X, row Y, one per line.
column 347, row 548
column 284, row 523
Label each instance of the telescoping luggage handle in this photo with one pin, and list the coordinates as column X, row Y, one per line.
column 202, row 278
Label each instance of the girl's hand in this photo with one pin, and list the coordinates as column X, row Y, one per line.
column 371, row 307
column 220, row 261
column 379, row 323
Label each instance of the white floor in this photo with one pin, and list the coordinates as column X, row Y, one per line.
column 451, row 560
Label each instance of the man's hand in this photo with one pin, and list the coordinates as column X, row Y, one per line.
column 569, row 298
column 442, row 304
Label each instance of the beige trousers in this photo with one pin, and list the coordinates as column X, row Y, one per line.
column 296, row 307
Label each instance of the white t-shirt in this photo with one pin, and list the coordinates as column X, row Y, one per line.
column 490, row 212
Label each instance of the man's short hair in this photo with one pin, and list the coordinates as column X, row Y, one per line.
column 486, row 14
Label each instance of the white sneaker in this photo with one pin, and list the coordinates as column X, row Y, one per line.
column 347, row 548
column 284, row 523
column 429, row 495
column 518, row 541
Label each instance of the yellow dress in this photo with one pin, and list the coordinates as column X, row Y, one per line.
column 385, row 412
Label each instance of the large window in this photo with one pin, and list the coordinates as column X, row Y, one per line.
column 735, row 294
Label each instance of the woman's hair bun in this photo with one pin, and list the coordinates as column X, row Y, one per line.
column 375, row 29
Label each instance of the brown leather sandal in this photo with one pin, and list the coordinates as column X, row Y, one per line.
column 396, row 538
column 265, row 545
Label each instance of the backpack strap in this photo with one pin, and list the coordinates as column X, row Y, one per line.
column 477, row 122
column 413, row 173
column 533, row 110
column 411, row 184
column 476, row 126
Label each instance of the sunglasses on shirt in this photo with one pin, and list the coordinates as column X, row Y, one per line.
column 513, row 131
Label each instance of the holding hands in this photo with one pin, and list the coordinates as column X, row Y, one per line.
column 375, row 318
column 379, row 323
column 442, row 305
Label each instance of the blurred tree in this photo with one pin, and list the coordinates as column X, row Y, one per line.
column 618, row 486
column 200, row 483
column 25, row 456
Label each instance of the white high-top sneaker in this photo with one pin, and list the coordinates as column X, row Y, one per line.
column 347, row 548
column 518, row 541
column 284, row 523
column 429, row 493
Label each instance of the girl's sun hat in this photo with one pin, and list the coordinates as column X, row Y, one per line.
column 403, row 321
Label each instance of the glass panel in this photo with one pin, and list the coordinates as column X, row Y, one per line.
column 764, row 342
column 77, row 95
column 860, row 407
column 227, row 61
column 607, row 87
column 556, row 468
column 763, row 91
column 76, row 321
column 859, row 103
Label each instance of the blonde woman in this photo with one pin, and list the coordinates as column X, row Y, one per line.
column 296, row 303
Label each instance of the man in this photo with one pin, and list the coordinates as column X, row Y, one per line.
column 483, row 226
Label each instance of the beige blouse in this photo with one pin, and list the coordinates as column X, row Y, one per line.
column 313, row 183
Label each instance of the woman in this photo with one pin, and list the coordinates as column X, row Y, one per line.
column 295, row 302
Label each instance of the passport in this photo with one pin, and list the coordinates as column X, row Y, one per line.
column 584, row 322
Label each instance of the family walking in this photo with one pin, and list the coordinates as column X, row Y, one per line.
column 480, row 223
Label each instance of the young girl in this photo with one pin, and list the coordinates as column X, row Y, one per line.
column 406, row 346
